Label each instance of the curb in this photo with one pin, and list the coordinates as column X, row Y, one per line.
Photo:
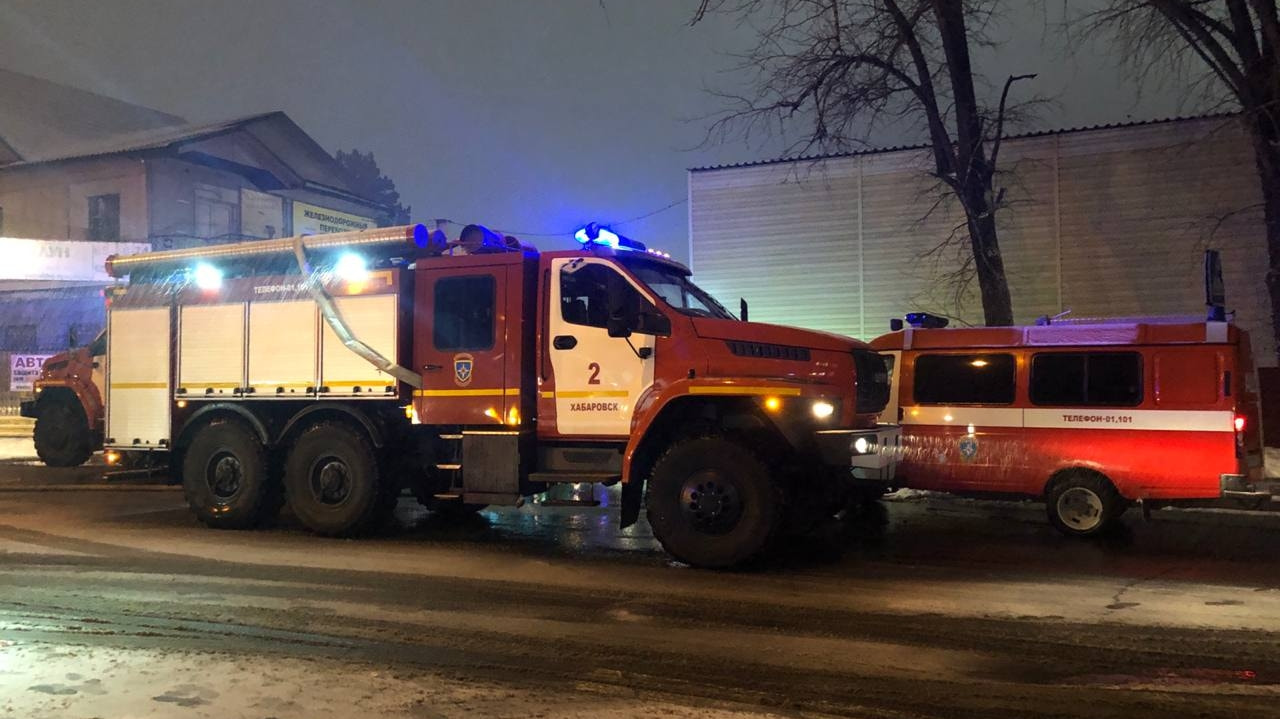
column 92, row 488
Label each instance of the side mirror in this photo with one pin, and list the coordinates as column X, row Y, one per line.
column 618, row 327
column 655, row 323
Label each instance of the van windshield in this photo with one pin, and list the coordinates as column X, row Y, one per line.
column 675, row 287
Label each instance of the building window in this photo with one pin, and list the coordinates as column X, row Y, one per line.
column 1087, row 379
column 217, row 213
column 965, row 379
column 104, row 218
column 80, row 334
column 464, row 312
column 20, row 338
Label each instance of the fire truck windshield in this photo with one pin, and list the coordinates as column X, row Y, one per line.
column 677, row 289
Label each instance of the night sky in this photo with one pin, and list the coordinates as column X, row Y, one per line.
column 533, row 116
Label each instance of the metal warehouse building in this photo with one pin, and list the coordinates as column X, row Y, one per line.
column 1105, row 221
column 83, row 176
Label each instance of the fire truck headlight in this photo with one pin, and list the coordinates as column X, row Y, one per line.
column 352, row 268
column 208, row 277
column 861, row 445
column 823, row 409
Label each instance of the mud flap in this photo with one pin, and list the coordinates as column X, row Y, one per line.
column 632, row 499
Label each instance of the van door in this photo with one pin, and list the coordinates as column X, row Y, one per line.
column 460, row 345
column 893, row 363
column 597, row 378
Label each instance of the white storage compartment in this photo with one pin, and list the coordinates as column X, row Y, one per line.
column 282, row 348
column 211, row 355
column 138, row 391
column 372, row 319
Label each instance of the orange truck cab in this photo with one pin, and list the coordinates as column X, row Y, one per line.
column 67, row 406
column 1091, row 416
column 331, row 371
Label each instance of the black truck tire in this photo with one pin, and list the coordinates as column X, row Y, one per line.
column 1082, row 503
column 226, row 477
column 62, row 435
column 333, row 483
column 712, row 503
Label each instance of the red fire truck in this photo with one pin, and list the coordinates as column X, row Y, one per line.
column 1090, row 416
column 67, row 406
column 331, row 371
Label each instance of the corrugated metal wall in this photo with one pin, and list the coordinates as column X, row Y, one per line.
column 1106, row 222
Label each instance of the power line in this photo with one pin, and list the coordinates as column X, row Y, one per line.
column 569, row 233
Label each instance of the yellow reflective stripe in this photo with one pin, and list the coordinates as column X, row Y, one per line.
column 588, row 394
column 741, row 390
column 548, row 395
column 141, row 385
column 204, row 385
column 513, row 391
column 383, row 382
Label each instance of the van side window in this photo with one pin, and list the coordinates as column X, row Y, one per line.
column 965, row 379
column 464, row 308
column 1087, row 379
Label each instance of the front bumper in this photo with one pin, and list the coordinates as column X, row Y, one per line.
column 28, row 408
column 870, row 454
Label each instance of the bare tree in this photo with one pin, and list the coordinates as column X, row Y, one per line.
column 844, row 68
column 1229, row 52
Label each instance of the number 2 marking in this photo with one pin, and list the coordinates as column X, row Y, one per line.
column 595, row 373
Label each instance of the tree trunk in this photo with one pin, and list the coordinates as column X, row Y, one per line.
column 997, row 305
column 1267, row 155
column 973, row 175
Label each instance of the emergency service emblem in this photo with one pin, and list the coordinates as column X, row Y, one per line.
column 462, row 366
column 968, row 447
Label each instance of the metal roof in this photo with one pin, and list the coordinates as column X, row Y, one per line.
column 40, row 119
column 818, row 157
column 153, row 139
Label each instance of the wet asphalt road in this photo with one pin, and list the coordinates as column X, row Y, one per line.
column 926, row 607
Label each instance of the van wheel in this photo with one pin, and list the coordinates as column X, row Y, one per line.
column 712, row 503
column 333, row 482
column 225, row 477
column 62, row 434
column 1084, row 504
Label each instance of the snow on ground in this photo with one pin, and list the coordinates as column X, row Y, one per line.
column 47, row 681
column 1273, row 461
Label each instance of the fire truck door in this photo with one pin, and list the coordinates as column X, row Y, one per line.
column 598, row 378
column 460, row 338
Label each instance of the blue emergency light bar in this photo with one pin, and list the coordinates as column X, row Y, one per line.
column 594, row 234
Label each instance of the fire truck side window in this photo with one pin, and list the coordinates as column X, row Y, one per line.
column 584, row 296
column 1087, row 379
column 464, row 313
column 964, row 379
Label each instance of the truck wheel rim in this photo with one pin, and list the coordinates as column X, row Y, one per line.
column 1080, row 509
column 331, row 481
column 224, row 475
column 710, row 502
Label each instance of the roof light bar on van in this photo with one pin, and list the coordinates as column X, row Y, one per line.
column 409, row 237
column 595, row 234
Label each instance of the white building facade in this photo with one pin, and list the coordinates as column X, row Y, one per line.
column 1104, row 222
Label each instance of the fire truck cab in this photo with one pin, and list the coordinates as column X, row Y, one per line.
column 330, row 372
column 67, row 406
column 1091, row 416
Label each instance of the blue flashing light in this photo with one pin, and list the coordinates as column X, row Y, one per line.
column 207, row 276
column 595, row 234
